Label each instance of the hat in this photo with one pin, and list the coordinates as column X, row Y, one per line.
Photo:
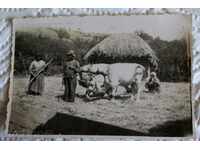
column 71, row 53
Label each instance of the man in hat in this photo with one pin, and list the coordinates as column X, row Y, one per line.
column 153, row 83
column 70, row 69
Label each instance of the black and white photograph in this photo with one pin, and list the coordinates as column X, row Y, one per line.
column 104, row 75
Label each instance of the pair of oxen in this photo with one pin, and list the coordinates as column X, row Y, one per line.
column 114, row 79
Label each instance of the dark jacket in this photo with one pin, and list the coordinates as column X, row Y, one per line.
column 71, row 68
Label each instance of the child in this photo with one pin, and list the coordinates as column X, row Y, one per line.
column 153, row 83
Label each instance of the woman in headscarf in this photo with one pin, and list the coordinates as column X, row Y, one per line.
column 36, row 83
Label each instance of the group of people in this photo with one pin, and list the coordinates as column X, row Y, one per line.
column 71, row 68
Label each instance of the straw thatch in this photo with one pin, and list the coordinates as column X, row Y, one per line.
column 122, row 48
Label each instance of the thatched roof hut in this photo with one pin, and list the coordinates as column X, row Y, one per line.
column 122, row 47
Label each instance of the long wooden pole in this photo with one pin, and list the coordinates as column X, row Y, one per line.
column 39, row 72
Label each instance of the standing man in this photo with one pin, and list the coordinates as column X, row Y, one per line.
column 36, row 84
column 70, row 69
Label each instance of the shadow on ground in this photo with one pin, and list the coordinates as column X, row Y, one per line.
column 178, row 128
column 70, row 125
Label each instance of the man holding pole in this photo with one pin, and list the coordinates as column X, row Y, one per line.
column 70, row 69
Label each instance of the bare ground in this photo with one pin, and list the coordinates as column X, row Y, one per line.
column 150, row 115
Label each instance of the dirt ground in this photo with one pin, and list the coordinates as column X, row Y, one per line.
column 153, row 114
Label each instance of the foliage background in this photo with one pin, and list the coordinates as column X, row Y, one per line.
column 174, row 61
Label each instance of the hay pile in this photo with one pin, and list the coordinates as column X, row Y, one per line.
column 123, row 47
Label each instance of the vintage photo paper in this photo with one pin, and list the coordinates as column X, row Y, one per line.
column 102, row 75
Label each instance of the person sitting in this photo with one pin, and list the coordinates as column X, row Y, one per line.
column 96, row 87
column 153, row 83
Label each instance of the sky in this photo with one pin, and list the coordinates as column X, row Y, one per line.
column 167, row 27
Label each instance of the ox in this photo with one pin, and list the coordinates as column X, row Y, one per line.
column 88, row 72
column 128, row 75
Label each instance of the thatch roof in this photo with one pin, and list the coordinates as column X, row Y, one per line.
column 122, row 47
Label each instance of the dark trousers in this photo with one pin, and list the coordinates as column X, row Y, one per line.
column 70, row 89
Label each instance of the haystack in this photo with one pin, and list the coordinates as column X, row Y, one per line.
column 123, row 47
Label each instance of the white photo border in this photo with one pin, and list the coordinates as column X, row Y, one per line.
column 7, row 61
